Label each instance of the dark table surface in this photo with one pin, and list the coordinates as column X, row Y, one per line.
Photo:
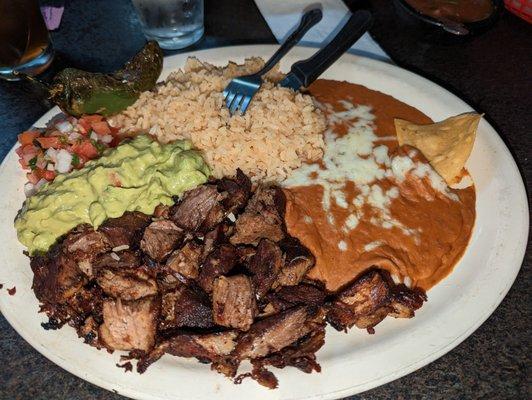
column 492, row 72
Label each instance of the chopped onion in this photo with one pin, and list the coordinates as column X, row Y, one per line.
column 115, row 257
column 74, row 136
column 51, row 154
column 50, row 167
column 64, row 161
column 94, row 136
column 64, row 126
column 29, row 189
column 106, row 139
column 40, row 184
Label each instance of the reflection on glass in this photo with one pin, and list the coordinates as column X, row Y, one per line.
column 174, row 24
column 24, row 41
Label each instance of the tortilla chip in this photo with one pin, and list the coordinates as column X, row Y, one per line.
column 446, row 144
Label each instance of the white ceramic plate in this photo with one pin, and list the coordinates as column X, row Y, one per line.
column 353, row 362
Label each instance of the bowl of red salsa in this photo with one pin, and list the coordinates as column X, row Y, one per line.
column 456, row 18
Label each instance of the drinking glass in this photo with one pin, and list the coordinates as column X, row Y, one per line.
column 24, row 40
column 173, row 23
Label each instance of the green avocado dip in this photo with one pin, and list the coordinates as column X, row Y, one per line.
column 137, row 175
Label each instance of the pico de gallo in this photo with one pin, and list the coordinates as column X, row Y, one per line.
column 66, row 143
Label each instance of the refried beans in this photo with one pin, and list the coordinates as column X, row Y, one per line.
column 393, row 211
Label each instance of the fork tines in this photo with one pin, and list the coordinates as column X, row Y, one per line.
column 239, row 92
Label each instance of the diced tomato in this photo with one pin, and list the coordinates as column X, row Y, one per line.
column 84, row 126
column 47, row 142
column 115, row 142
column 39, row 173
column 27, row 149
column 33, row 177
column 48, row 175
column 85, row 149
column 115, row 179
column 82, row 161
column 27, row 153
column 26, row 160
column 23, row 163
column 101, row 128
column 27, row 137
column 92, row 118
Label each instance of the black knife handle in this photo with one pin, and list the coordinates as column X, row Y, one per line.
column 307, row 71
column 309, row 19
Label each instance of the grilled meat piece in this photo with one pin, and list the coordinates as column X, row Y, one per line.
column 83, row 244
column 167, row 282
column 200, row 209
column 186, row 307
column 369, row 299
column 162, row 211
column 160, row 238
column 405, row 301
column 233, row 302
column 56, row 276
column 245, row 253
column 219, row 235
column 129, row 325
column 238, row 191
column 84, row 240
column 89, row 332
column 263, row 217
column 208, row 347
column 298, row 261
column 265, row 266
column 122, row 260
column 364, row 303
column 87, row 301
column 128, row 285
column 300, row 354
column 186, row 260
column 290, row 296
column 219, row 262
column 274, row 333
column 125, row 230
column 260, row 374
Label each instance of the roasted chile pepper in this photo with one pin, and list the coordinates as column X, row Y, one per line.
column 79, row 92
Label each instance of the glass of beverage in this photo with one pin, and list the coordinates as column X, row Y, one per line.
column 174, row 24
column 24, row 41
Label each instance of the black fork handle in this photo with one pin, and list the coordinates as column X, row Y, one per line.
column 309, row 19
column 307, row 71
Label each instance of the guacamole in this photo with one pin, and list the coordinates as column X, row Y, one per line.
column 135, row 176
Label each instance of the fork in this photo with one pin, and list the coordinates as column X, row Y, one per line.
column 240, row 91
column 304, row 72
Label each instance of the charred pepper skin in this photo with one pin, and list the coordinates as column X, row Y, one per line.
column 79, row 92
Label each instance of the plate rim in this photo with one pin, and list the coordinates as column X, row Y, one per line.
column 368, row 63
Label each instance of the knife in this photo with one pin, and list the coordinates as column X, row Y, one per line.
column 304, row 72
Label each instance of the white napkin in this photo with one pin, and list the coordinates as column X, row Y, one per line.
column 284, row 15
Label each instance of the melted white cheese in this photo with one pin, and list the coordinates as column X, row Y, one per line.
column 355, row 157
column 372, row 245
